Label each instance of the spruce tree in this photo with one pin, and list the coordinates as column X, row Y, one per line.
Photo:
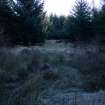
column 81, row 21
column 6, row 15
column 102, row 20
column 25, row 20
column 56, row 27
column 99, row 24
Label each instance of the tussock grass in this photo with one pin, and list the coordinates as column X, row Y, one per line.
column 37, row 75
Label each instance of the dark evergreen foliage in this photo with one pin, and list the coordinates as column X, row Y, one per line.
column 24, row 20
column 56, row 27
column 98, row 24
column 75, row 27
column 81, row 21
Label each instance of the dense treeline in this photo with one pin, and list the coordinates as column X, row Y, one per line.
column 83, row 24
column 25, row 22
column 56, row 27
column 74, row 26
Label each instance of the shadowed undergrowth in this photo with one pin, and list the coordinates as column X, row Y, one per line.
column 37, row 75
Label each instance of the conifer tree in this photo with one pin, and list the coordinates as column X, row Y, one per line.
column 24, row 20
column 81, row 21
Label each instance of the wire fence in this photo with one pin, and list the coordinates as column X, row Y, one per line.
column 76, row 99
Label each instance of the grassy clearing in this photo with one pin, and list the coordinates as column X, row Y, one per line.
column 37, row 75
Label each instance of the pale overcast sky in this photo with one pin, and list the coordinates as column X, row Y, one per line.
column 63, row 7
